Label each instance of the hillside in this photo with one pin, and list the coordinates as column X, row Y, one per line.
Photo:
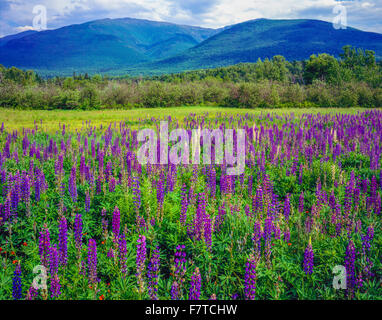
column 99, row 46
column 134, row 47
column 263, row 38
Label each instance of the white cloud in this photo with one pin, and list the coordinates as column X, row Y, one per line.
column 365, row 15
column 24, row 28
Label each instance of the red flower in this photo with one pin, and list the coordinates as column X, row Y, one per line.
column 102, row 297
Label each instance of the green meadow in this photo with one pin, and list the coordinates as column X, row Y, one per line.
column 75, row 119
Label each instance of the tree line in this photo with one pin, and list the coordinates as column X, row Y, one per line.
column 353, row 80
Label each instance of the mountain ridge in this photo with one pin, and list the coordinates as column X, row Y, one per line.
column 137, row 46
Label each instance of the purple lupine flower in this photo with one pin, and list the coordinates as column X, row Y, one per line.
column 184, row 205
column 378, row 205
column 170, row 180
column 116, row 222
column 153, row 274
column 53, row 260
column 308, row 258
column 277, row 232
column 82, row 168
column 175, row 291
column 257, row 235
column 37, row 188
column 17, row 284
column 332, row 201
column 356, row 195
column 219, row 218
column 92, row 261
column 141, row 223
column 136, row 194
column 59, row 165
column 122, row 253
column 301, row 203
column 257, row 203
column 287, row 208
column 82, row 268
column 87, row 201
column 140, row 260
column 366, row 240
column 44, row 245
column 32, row 293
column 160, row 192
column 7, row 210
column 247, row 211
column 26, row 187
column 63, row 241
column 99, row 183
column 287, row 235
column 108, row 170
column 53, row 269
column 78, row 231
column 73, row 184
column 207, row 231
column 55, row 285
column 110, row 253
column 180, row 262
column 196, row 282
column 112, row 183
column 350, row 265
column 373, row 191
column 199, row 218
column 250, row 278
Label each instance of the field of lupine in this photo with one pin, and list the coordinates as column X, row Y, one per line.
column 79, row 210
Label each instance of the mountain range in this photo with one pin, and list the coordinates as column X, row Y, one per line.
column 134, row 46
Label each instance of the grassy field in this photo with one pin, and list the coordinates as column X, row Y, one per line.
column 18, row 119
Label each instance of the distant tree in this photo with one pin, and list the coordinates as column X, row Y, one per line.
column 323, row 67
column 280, row 70
column 352, row 57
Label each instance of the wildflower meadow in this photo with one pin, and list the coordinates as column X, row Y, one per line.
column 82, row 218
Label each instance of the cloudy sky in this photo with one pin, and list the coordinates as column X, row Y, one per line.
column 17, row 15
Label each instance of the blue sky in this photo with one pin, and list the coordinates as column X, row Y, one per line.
column 17, row 15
